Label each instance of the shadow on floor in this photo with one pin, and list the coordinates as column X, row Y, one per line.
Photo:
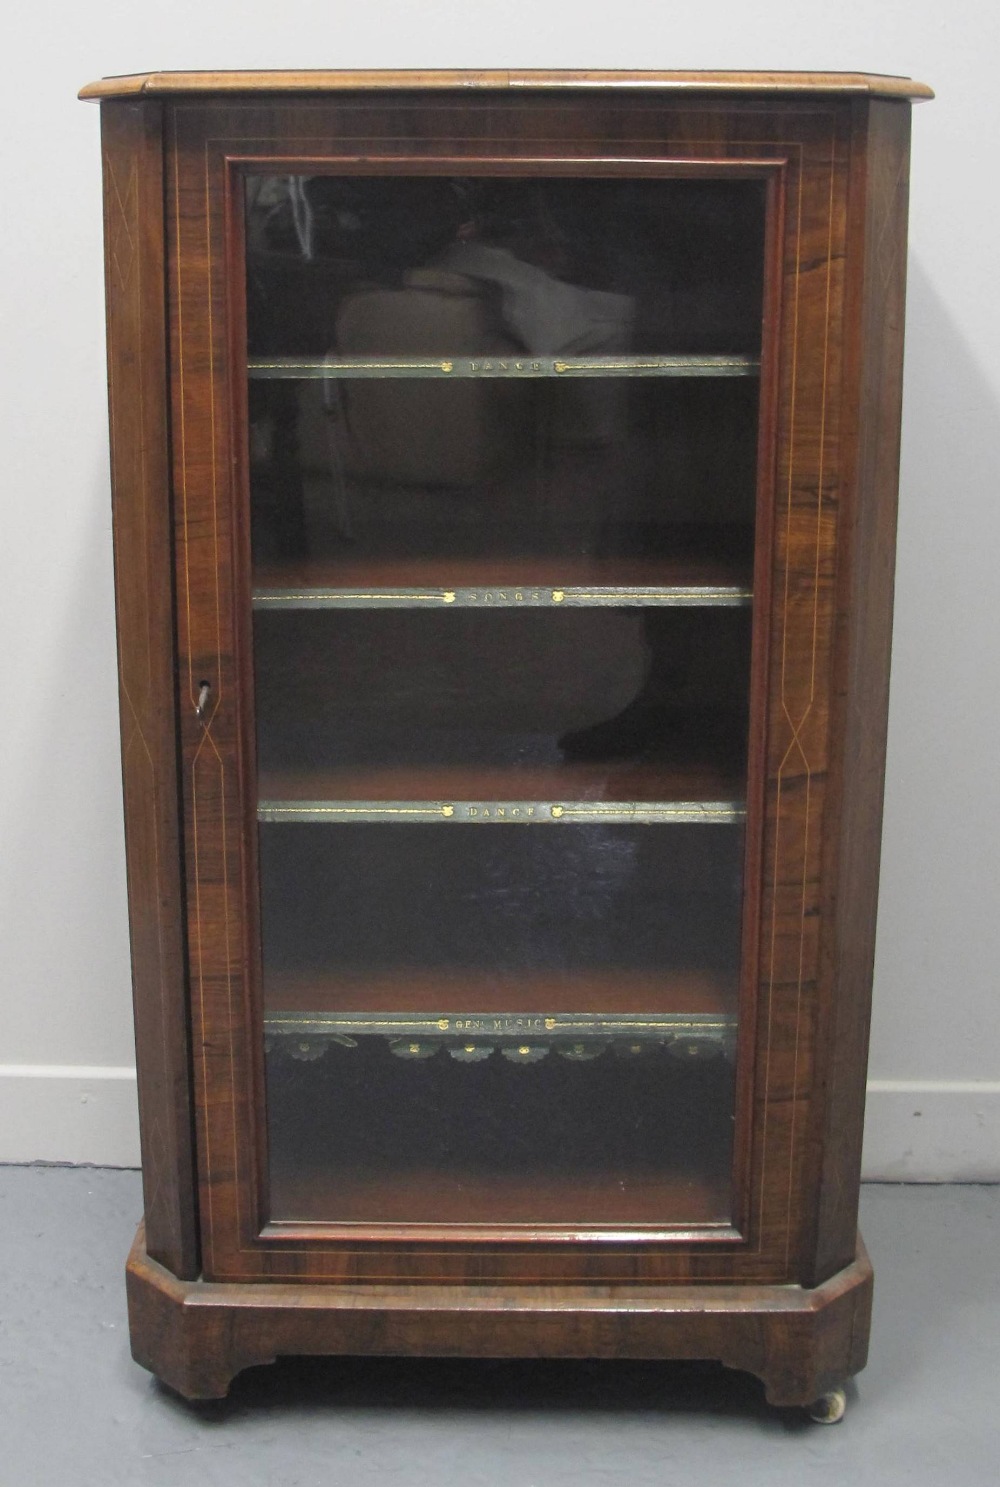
column 493, row 1388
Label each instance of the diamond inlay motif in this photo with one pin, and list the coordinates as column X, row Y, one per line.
column 887, row 242
column 120, row 208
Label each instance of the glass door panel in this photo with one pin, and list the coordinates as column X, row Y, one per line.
column 503, row 442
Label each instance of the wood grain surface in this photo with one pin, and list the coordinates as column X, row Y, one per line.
column 766, row 84
column 800, row 1343
column 768, row 1278
column 806, row 147
column 832, row 151
column 141, row 505
column 860, row 681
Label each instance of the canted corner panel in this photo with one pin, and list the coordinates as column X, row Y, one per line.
column 812, row 143
column 807, row 513
column 867, row 551
column 132, row 158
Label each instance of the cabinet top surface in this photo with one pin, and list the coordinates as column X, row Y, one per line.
column 767, row 84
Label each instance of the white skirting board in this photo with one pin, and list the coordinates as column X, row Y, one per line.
column 932, row 1130
column 73, row 1113
column 915, row 1130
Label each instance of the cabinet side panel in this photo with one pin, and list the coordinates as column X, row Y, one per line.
column 873, row 397
column 140, row 476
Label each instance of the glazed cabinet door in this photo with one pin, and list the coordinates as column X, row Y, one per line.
column 502, row 480
column 506, row 452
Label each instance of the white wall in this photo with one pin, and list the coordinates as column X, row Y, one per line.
column 65, row 1034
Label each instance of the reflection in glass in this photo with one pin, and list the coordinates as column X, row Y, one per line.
column 617, row 699
column 381, row 269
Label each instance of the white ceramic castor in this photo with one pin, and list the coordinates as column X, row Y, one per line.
column 829, row 1408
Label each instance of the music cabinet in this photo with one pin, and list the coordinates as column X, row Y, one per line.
column 504, row 482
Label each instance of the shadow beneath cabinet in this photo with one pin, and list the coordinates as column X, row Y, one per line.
column 529, row 1389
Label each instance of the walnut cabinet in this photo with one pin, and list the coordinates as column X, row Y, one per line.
column 504, row 481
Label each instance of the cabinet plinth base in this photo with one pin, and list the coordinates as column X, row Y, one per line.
column 197, row 1335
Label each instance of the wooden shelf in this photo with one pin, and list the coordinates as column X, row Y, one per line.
column 689, row 579
column 502, row 812
column 593, row 784
column 564, row 368
column 519, row 1038
column 565, row 794
column 317, row 1195
column 689, row 1012
column 464, row 993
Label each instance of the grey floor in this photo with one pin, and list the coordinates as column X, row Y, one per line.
column 75, row 1411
